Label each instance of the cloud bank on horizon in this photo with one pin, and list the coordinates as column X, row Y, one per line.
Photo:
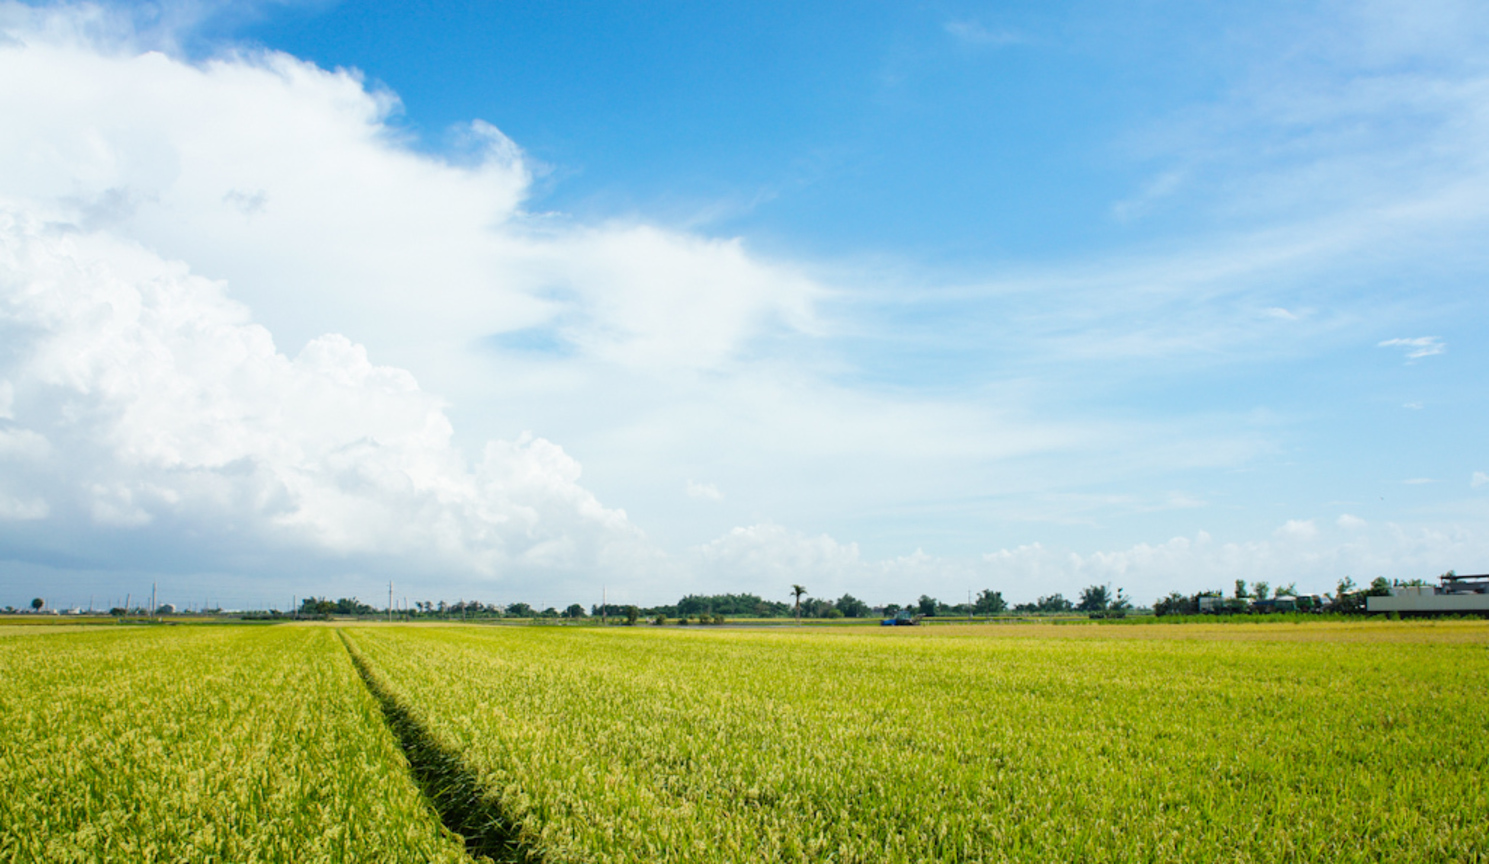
column 245, row 319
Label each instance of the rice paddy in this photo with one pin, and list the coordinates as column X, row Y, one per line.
column 1295, row 742
column 200, row 744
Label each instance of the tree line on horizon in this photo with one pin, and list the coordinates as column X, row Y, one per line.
column 1096, row 599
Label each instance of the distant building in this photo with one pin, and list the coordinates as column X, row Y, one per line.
column 1456, row 595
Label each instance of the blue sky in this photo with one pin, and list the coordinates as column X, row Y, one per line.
column 891, row 298
column 955, row 134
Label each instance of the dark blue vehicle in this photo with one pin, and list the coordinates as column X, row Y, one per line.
column 901, row 618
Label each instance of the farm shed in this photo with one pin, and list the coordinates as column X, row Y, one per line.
column 1456, row 595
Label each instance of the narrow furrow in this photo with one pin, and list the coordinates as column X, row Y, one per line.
column 454, row 791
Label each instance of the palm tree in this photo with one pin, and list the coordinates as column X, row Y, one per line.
column 797, row 591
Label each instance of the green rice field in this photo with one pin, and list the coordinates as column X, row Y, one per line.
column 1289, row 742
column 200, row 744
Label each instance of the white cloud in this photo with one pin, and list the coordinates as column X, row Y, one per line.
column 780, row 550
column 287, row 180
column 1478, row 480
column 1421, row 346
column 706, row 491
column 1417, row 481
column 1298, row 529
column 126, row 177
column 154, row 399
column 1345, row 520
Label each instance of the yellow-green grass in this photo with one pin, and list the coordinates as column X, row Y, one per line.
column 185, row 744
column 1327, row 743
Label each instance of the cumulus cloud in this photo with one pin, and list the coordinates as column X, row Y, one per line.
column 292, row 183
column 166, row 226
column 139, row 396
column 1479, row 479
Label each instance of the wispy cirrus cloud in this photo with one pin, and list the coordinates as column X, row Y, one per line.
column 975, row 33
column 1417, row 347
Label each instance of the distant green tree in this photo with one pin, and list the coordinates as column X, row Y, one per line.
column 1288, row 590
column 852, row 607
column 1241, row 592
column 37, row 603
column 1055, row 603
column 927, row 605
column 632, row 616
column 351, row 606
column 1175, row 604
column 574, row 611
column 797, row 591
column 1052, row 603
column 1095, row 598
column 989, row 602
column 520, row 610
column 1260, row 590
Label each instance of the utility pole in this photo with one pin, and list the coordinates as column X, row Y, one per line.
column 153, row 607
column 390, row 601
column 127, row 597
column 602, row 605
